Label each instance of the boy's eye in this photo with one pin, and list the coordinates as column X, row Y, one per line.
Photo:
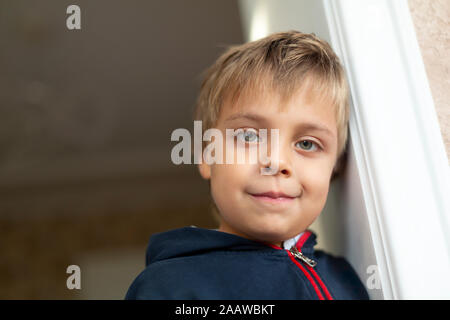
column 307, row 145
column 248, row 135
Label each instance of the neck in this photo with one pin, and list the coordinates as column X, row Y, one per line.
column 224, row 227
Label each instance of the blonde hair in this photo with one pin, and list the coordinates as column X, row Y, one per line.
column 282, row 62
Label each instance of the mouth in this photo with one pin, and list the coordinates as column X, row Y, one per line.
column 273, row 197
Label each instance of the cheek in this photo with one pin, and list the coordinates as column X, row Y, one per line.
column 226, row 184
column 315, row 178
column 315, row 188
column 229, row 178
column 321, row 191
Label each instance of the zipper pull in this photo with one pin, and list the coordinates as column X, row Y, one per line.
column 301, row 256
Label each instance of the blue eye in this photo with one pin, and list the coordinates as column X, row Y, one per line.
column 248, row 135
column 307, row 145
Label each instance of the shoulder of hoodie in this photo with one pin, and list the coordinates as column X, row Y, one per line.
column 164, row 279
column 156, row 281
column 339, row 275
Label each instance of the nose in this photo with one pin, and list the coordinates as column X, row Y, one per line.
column 279, row 164
column 277, row 168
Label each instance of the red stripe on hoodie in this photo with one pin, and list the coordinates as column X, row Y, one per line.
column 299, row 246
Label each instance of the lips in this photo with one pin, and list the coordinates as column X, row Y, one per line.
column 273, row 197
column 273, row 194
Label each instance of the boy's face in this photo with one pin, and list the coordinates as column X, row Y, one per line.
column 306, row 157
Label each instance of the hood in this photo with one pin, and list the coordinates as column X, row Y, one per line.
column 192, row 240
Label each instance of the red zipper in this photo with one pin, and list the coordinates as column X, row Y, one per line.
column 310, row 278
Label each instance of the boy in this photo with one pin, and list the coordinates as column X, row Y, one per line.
column 288, row 81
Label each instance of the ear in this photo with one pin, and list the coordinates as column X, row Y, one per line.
column 333, row 174
column 205, row 170
column 339, row 166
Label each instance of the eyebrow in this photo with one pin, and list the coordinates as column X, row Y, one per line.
column 299, row 126
column 249, row 116
column 315, row 127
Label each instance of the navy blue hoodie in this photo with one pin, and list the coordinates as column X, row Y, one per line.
column 197, row 263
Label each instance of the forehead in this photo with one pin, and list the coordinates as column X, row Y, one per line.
column 276, row 110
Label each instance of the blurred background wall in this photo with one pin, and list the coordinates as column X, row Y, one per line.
column 85, row 124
